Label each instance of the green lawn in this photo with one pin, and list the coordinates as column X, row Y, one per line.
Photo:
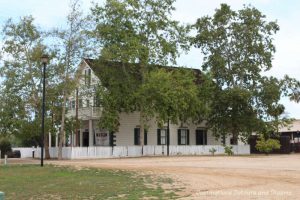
column 50, row 182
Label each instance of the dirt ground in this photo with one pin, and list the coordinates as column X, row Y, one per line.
column 218, row 177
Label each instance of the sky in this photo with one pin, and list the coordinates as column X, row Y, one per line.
column 52, row 13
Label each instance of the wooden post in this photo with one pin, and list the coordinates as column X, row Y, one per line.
column 5, row 160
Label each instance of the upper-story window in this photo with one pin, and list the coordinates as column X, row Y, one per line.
column 87, row 76
column 80, row 103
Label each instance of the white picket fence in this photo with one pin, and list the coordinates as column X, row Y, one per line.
column 136, row 151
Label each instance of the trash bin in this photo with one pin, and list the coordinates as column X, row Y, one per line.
column 1, row 195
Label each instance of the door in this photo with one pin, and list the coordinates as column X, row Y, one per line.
column 85, row 139
column 201, row 137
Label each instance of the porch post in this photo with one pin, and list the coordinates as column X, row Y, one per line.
column 49, row 135
column 91, row 133
column 81, row 139
column 56, row 139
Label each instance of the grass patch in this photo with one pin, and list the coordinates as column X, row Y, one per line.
column 51, row 182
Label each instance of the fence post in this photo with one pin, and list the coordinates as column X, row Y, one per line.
column 5, row 160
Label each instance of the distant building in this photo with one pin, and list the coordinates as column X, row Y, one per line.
column 292, row 130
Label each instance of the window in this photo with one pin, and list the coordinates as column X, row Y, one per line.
column 87, row 103
column 73, row 104
column 80, row 103
column 162, row 136
column 87, row 76
column 96, row 101
column 68, row 104
column 137, row 140
column 201, row 137
column 183, row 137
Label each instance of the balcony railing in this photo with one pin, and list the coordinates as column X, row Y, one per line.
column 85, row 113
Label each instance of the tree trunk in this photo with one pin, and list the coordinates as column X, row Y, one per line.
column 62, row 128
column 142, row 130
column 46, row 145
column 234, row 137
column 76, row 118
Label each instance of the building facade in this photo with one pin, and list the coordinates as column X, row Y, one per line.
column 83, row 105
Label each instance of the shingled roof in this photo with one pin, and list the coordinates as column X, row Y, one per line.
column 118, row 68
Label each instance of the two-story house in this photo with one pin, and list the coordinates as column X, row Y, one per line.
column 83, row 104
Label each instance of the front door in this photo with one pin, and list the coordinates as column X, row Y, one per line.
column 201, row 137
column 85, row 139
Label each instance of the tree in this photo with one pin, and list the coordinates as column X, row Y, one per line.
column 173, row 94
column 237, row 47
column 140, row 33
column 22, row 78
column 73, row 44
column 266, row 146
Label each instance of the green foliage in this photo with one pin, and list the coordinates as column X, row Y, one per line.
column 172, row 94
column 137, row 36
column 132, row 31
column 228, row 150
column 238, row 47
column 267, row 146
column 212, row 151
column 5, row 146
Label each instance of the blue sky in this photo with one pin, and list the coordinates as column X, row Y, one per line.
column 51, row 13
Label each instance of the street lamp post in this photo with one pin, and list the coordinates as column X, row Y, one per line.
column 44, row 59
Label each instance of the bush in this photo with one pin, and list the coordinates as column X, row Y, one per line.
column 228, row 150
column 212, row 151
column 267, row 146
column 5, row 146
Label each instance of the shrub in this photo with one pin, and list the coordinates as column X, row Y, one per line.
column 266, row 146
column 212, row 151
column 5, row 146
column 228, row 150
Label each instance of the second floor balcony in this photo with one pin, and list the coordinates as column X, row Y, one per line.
column 85, row 113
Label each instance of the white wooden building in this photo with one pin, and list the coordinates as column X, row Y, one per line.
column 89, row 112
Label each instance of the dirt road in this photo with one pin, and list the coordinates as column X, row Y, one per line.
column 219, row 177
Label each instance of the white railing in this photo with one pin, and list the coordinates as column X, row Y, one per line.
column 137, row 151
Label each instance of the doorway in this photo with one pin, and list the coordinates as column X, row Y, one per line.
column 85, row 139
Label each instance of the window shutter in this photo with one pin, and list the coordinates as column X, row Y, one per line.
column 136, row 136
column 84, row 77
column 158, row 137
column 188, row 136
column 145, row 137
column 179, row 137
column 89, row 76
column 111, row 141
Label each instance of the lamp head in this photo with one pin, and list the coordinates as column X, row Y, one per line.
column 45, row 58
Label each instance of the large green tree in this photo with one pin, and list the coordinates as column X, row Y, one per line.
column 140, row 33
column 238, row 47
column 72, row 44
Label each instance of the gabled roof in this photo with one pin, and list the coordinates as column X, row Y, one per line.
column 100, row 66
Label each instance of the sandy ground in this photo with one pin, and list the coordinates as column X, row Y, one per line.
column 219, row 177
